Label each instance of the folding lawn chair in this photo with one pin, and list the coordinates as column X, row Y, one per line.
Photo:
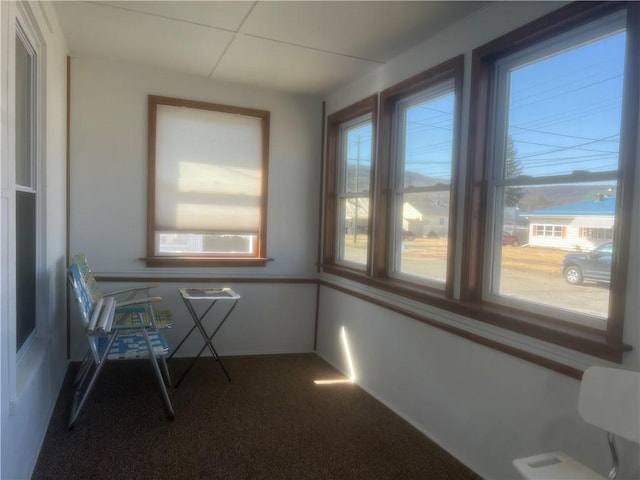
column 123, row 330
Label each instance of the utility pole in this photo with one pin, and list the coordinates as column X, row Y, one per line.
column 357, row 198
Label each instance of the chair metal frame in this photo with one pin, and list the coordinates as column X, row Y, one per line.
column 117, row 331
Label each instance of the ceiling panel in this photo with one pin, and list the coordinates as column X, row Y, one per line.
column 223, row 15
column 285, row 67
column 113, row 33
column 299, row 46
column 372, row 30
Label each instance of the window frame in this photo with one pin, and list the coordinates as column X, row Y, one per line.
column 463, row 298
column 153, row 260
column 607, row 344
column 390, row 101
column 377, row 273
column 28, row 36
column 331, row 243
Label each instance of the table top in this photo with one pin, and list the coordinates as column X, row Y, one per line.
column 224, row 293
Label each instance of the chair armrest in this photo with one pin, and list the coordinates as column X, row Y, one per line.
column 138, row 301
column 103, row 313
column 132, row 291
column 138, row 313
column 93, row 322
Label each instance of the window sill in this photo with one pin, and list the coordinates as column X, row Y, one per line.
column 188, row 262
column 27, row 367
column 483, row 316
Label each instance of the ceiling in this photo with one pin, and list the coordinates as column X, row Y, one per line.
column 308, row 47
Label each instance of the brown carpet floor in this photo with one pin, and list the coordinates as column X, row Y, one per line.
column 271, row 422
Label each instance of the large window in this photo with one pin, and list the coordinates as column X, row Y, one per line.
column 556, row 116
column 351, row 141
column 416, row 177
column 537, row 240
column 26, row 187
column 207, row 184
column 421, row 167
column 390, row 220
column 354, row 187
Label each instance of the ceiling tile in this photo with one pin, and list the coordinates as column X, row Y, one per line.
column 217, row 14
column 284, row 67
column 113, row 33
column 300, row 46
column 375, row 30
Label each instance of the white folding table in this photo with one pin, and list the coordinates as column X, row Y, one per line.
column 211, row 296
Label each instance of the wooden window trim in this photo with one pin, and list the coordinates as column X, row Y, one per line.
column 151, row 259
column 450, row 70
column 363, row 107
column 606, row 344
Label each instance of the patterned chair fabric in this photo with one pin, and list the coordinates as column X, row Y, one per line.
column 128, row 329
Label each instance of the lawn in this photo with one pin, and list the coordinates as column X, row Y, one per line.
column 548, row 260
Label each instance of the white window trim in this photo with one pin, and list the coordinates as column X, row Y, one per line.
column 431, row 93
column 497, row 183
column 22, row 365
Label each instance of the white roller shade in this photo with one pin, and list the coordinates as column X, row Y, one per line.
column 208, row 171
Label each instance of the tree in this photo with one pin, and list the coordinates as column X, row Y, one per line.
column 513, row 168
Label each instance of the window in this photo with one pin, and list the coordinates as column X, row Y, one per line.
column 207, row 184
column 421, row 168
column 597, row 233
column 351, row 139
column 556, row 120
column 549, row 231
column 354, row 186
column 420, row 125
column 389, row 221
column 26, row 187
column 552, row 134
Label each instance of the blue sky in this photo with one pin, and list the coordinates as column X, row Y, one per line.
column 565, row 111
column 564, row 114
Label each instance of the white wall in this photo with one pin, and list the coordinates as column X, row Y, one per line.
column 30, row 384
column 108, row 200
column 270, row 318
column 482, row 405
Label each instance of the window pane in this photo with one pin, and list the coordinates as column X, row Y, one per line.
column 425, row 158
column 356, row 140
column 421, row 244
column 206, row 244
column 24, row 114
column 554, row 265
column 357, row 158
column 428, row 142
column 565, row 111
column 26, row 195
column 353, row 241
column 26, row 252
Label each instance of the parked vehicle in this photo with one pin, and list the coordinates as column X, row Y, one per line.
column 594, row 266
column 407, row 235
column 508, row 239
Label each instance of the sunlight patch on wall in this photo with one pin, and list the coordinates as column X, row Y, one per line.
column 347, row 353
